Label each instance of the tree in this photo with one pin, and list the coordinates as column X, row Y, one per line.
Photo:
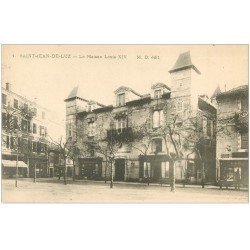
column 197, row 140
column 16, row 125
column 66, row 150
column 107, row 145
column 142, row 133
column 172, row 134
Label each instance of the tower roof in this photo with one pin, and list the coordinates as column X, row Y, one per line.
column 184, row 62
column 216, row 92
column 75, row 93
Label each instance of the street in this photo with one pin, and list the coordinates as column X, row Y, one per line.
column 54, row 191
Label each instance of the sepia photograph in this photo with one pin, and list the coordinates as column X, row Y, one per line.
column 125, row 123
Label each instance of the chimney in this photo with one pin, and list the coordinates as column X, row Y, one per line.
column 8, row 86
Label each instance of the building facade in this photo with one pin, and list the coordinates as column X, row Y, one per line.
column 232, row 135
column 137, row 122
column 27, row 131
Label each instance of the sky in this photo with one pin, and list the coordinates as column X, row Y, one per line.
column 49, row 72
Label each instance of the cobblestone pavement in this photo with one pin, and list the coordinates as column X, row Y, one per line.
column 54, row 191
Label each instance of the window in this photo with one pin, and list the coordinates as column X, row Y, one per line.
column 15, row 103
column 43, row 115
column 42, row 147
column 157, row 94
column 238, row 103
column 29, row 145
column 4, row 99
column 146, row 169
column 69, row 129
column 24, row 125
column 158, row 118
column 34, row 128
column 34, row 146
column 89, row 107
column 38, row 147
column 244, row 141
column 15, row 121
column 4, row 119
column 204, row 125
column 209, row 127
column 121, row 124
column 157, row 145
column 12, row 143
column 91, row 126
column 7, row 141
column 29, row 126
column 121, row 99
column 179, row 106
column 244, row 104
column 42, row 131
column 25, row 106
column 34, row 111
column 7, row 86
column 165, row 169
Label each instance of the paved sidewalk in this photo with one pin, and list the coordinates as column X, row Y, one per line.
column 54, row 191
column 132, row 184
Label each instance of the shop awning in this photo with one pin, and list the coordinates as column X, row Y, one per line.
column 233, row 159
column 12, row 164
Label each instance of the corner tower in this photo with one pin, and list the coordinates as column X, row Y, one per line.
column 74, row 104
column 184, row 78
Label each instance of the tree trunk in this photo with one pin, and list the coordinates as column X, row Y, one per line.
column 28, row 164
column 74, row 169
column 48, row 163
column 65, row 174
column 148, row 179
column 203, row 175
column 106, row 172
column 35, row 173
column 111, row 179
column 16, row 169
column 172, row 184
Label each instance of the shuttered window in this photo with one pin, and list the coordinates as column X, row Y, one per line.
column 244, row 140
column 165, row 169
column 146, row 169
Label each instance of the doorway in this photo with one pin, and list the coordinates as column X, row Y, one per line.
column 156, row 169
column 51, row 172
column 119, row 169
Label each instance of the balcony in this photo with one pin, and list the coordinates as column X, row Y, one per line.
column 122, row 135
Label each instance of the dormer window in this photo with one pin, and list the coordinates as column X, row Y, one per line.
column 157, row 94
column 120, row 99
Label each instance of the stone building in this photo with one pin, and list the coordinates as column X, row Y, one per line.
column 142, row 157
column 232, row 134
column 29, row 136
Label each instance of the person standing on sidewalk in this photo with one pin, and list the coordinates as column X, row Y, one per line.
column 237, row 179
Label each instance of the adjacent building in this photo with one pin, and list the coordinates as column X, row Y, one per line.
column 27, row 132
column 142, row 156
column 232, row 134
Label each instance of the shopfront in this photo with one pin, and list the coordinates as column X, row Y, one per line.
column 9, row 169
column 233, row 170
column 90, row 168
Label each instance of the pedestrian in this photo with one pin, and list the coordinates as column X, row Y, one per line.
column 237, row 179
column 59, row 174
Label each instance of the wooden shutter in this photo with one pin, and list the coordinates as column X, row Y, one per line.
column 244, row 140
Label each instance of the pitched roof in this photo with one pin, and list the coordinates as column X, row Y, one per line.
column 75, row 93
column 216, row 92
column 160, row 85
column 243, row 89
column 124, row 88
column 184, row 62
